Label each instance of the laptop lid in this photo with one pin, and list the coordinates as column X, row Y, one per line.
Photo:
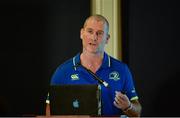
column 74, row 99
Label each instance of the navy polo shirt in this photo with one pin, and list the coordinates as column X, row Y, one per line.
column 113, row 71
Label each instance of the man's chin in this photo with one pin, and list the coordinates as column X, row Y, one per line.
column 93, row 51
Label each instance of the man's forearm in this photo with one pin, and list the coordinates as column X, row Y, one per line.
column 134, row 110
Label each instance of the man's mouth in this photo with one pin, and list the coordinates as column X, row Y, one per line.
column 93, row 44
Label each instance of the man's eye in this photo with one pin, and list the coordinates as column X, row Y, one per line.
column 100, row 33
column 89, row 31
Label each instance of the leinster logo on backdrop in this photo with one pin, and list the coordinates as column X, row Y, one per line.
column 114, row 75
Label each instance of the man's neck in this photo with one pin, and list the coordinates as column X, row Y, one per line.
column 91, row 61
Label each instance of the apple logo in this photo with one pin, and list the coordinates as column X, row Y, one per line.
column 76, row 103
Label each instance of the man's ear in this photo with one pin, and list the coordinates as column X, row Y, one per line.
column 107, row 39
column 81, row 33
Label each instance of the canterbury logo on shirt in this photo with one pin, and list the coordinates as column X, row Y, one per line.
column 74, row 77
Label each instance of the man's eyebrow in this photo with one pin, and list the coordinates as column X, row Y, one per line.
column 89, row 28
column 93, row 29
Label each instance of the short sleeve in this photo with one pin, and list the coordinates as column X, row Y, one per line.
column 129, row 85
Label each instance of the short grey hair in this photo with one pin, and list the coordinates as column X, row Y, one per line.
column 98, row 18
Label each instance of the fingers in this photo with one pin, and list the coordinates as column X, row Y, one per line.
column 119, row 95
column 118, row 100
column 121, row 100
column 116, row 104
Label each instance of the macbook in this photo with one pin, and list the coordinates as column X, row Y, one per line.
column 75, row 100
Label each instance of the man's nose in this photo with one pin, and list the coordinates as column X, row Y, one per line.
column 95, row 37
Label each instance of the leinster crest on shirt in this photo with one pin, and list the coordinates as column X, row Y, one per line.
column 114, row 75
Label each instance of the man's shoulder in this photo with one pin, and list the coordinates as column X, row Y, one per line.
column 119, row 65
column 68, row 64
column 116, row 62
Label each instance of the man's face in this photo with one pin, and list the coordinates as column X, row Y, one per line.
column 94, row 36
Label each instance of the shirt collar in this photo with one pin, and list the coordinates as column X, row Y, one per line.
column 106, row 61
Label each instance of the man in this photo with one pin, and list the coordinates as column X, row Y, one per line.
column 121, row 98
